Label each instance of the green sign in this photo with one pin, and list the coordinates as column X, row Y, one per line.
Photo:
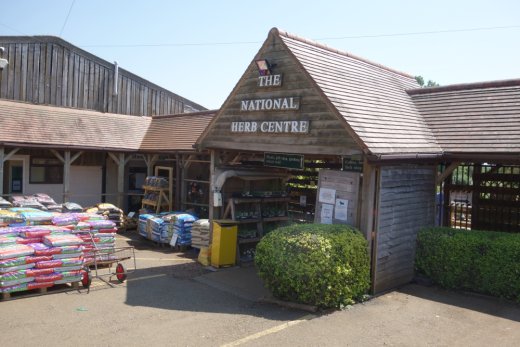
column 353, row 163
column 288, row 161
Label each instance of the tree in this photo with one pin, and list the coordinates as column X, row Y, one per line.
column 430, row 83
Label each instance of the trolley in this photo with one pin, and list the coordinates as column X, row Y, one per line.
column 103, row 263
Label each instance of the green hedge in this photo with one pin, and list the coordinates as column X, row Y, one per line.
column 480, row 261
column 317, row 264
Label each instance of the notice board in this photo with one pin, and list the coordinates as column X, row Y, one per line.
column 337, row 197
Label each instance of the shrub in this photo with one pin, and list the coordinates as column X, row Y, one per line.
column 480, row 261
column 317, row 264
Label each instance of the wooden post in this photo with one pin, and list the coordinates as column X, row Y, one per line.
column 121, row 163
column 3, row 158
column 2, row 155
column 66, row 177
column 179, row 183
column 211, row 210
column 67, row 160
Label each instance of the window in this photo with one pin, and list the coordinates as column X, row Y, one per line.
column 46, row 171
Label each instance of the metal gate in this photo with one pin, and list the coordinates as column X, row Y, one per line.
column 483, row 196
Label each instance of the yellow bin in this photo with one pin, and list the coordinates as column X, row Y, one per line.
column 224, row 243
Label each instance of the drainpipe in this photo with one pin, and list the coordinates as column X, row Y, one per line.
column 116, row 77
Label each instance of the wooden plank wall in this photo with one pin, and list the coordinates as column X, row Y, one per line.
column 327, row 134
column 406, row 204
column 59, row 74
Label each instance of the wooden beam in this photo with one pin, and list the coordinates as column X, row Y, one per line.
column 440, row 178
column 189, row 161
column 150, row 160
column 58, row 155
column 76, row 156
column 10, row 154
column 114, row 158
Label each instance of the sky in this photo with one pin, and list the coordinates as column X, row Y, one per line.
column 199, row 49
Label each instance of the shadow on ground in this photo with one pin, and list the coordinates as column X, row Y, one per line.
column 475, row 302
column 189, row 286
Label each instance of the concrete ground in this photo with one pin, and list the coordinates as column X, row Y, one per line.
column 172, row 300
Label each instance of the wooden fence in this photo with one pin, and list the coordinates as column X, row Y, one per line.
column 47, row 70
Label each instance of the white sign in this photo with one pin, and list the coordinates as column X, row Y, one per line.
column 327, row 195
column 341, row 209
column 270, row 81
column 290, row 103
column 173, row 241
column 277, row 127
column 326, row 213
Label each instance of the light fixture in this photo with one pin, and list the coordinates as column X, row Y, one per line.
column 3, row 62
column 264, row 67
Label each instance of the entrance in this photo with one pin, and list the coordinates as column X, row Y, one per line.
column 15, row 177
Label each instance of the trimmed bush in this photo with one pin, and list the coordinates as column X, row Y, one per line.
column 480, row 261
column 323, row 265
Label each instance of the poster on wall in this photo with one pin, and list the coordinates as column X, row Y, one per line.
column 327, row 195
column 341, row 210
column 326, row 213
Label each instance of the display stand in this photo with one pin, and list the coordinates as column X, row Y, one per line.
column 256, row 211
column 164, row 195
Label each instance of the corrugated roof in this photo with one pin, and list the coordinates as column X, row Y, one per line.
column 26, row 124
column 469, row 118
column 371, row 98
column 178, row 132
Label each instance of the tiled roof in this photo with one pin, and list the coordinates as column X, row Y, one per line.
column 26, row 124
column 371, row 98
column 177, row 132
column 478, row 117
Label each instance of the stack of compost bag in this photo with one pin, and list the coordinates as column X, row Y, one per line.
column 110, row 211
column 26, row 201
column 48, row 202
column 142, row 225
column 200, row 233
column 4, row 203
column 182, row 223
column 38, row 256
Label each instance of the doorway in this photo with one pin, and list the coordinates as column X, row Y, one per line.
column 15, row 177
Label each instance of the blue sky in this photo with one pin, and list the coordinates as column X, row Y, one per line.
column 200, row 48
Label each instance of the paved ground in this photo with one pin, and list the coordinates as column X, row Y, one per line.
column 172, row 300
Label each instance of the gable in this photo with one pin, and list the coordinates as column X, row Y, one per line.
column 293, row 117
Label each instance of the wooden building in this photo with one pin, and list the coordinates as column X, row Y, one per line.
column 64, row 132
column 47, row 70
column 301, row 105
column 88, row 157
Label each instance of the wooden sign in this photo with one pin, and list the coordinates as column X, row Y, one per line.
column 352, row 163
column 282, row 160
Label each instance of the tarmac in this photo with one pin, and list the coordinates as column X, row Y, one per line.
column 170, row 299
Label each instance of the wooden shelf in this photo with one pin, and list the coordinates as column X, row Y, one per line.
column 275, row 219
column 164, row 194
column 256, row 206
column 156, row 189
column 153, row 203
column 248, row 240
column 247, row 221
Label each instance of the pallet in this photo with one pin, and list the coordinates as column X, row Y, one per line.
column 58, row 288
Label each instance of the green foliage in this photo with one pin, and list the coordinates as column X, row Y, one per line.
column 316, row 264
column 430, row 83
column 479, row 261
